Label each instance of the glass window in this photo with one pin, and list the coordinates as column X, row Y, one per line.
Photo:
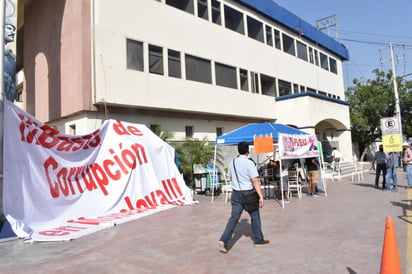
column 174, row 64
column 198, row 69
column 225, row 75
column 285, row 88
column 332, row 65
column 243, row 80
column 302, row 51
column 185, row 5
column 324, row 61
column 308, row 89
column 268, row 85
column 202, row 9
column 219, row 131
column 269, row 37
column 311, row 56
column 189, row 131
column 255, row 29
column 155, row 59
column 295, row 88
column 277, row 39
column 254, row 82
column 288, row 44
column 234, row 20
column 316, row 57
column 134, row 55
column 216, row 17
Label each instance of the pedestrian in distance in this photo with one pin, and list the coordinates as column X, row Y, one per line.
column 312, row 166
column 244, row 178
column 392, row 163
column 380, row 160
column 407, row 160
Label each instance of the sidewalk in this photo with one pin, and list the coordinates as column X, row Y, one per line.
column 340, row 233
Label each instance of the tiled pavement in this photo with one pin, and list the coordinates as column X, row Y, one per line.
column 340, row 233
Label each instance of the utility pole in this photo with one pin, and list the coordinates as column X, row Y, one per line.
column 395, row 90
column 326, row 23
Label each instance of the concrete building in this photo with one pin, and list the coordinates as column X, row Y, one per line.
column 198, row 68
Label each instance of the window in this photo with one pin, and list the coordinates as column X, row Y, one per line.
column 308, row 89
column 322, row 93
column 216, row 17
column 202, row 9
column 243, row 80
column 332, row 65
column 311, row 56
column 288, row 44
column 269, row 37
column 134, row 55
column 316, row 58
column 285, row 88
column 219, row 131
column 234, row 20
column 174, row 64
column 302, row 51
column 189, row 131
column 277, row 39
column 302, row 88
column 185, row 5
column 225, row 76
column 155, row 59
column 324, row 61
column 268, row 85
column 72, row 129
column 254, row 82
column 295, row 88
column 198, row 69
column 255, row 29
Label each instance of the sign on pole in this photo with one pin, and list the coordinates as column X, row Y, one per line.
column 391, row 134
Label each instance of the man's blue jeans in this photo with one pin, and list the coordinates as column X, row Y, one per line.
column 379, row 168
column 391, row 176
column 237, row 209
column 409, row 174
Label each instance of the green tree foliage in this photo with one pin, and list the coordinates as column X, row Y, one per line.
column 164, row 135
column 374, row 99
column 195, row 151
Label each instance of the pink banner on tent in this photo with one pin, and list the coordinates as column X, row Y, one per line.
column 293, row 146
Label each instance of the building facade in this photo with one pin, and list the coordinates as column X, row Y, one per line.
column 198, row 68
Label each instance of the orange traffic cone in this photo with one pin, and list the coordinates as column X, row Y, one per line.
column 390, row 258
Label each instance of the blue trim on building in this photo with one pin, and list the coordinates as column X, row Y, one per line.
column 312, row 94
column 284, row 17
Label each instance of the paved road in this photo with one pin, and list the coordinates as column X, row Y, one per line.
column 340, row 233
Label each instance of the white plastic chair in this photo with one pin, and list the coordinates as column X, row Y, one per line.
column 294, row 184
column 227, row 189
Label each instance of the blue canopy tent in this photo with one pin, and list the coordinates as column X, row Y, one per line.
column 248, row 132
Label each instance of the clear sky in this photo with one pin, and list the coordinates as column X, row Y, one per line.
column 366, row 28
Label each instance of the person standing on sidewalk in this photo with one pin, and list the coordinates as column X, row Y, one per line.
column 407, row 160
column 244, row 177
column 392, row 163
column 312, row 167
column 380, row 160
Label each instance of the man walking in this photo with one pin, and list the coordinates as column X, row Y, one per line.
column 244, row 177
column 392, row 163
column 380, row 160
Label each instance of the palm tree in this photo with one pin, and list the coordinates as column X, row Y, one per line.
column 195, row 151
